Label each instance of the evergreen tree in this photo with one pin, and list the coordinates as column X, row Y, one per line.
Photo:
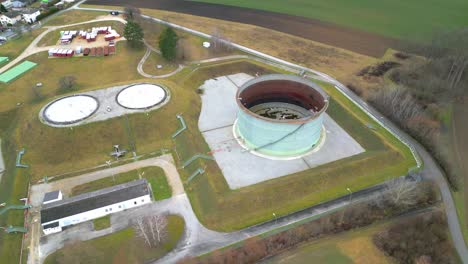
column 168, row 44
column 133, row 33
column 3, row 9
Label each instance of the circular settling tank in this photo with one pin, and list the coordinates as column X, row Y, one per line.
column 280, row 115
column 141, row 96
column 70, row 109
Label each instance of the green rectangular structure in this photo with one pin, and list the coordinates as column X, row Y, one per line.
column 3, row 60
column 16, row 71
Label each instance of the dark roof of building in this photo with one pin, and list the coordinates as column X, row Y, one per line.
column 51, row 196
column 29, row 11
column 12, row 14
column 94, row 200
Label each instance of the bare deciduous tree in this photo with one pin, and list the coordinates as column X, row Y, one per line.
column 141, row 230
column 152, row 229
column 132, row 12
column 158, row 223
column 220, row 42
column 401, row 191
column 397, row 102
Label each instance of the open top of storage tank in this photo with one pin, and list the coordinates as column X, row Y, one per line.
column 282, row 98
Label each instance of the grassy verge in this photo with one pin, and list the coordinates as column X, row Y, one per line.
column 156, row 59
column 119, row 247
column 13, row 187
column 102, row 223
column 154, row 175
column 73, row 16
column 104, row 183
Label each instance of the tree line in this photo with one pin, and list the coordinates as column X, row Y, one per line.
column 430, row 77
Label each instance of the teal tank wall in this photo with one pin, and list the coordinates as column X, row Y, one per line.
column 280, row 137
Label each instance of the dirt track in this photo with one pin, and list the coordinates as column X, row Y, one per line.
column 334, row 35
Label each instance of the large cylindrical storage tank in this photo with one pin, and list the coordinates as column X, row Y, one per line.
column 280, row 115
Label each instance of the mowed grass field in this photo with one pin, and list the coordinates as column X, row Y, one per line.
column 415, row 19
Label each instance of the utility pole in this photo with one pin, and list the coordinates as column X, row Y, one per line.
column 349, row 203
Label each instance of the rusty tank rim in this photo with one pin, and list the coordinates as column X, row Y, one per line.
column 283, row 78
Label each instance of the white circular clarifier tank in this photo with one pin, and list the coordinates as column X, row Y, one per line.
column 141, row 96
column 70, row 109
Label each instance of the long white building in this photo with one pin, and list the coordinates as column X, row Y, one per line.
column 58, row 213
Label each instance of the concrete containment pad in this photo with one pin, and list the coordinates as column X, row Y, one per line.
column 242, row 168
column 141, row 97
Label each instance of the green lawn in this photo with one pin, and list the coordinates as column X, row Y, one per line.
column 155, row 176
column 119, row 247
column 104, row 183
column 394, row 18
column 156, row 59
column 102, row 223
column 158, row 182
